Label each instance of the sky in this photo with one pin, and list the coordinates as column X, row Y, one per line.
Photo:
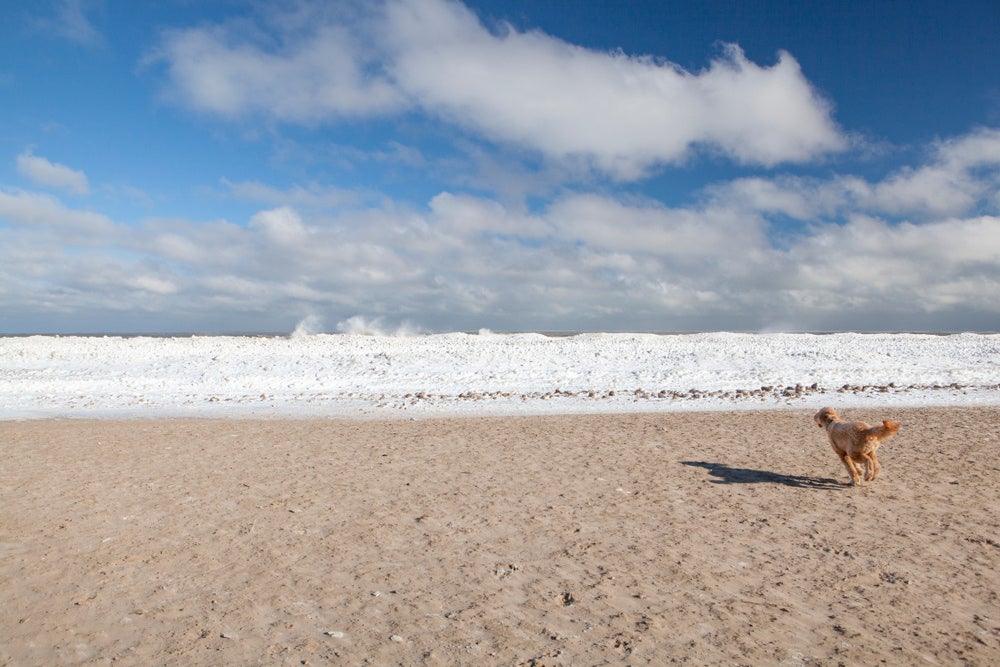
column 229, row 166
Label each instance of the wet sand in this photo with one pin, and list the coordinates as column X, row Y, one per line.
column 689, row 538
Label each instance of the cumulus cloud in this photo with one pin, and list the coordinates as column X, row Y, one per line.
column 923, row 268
column 568, row 276
column 320, row 74
column 959, row 175
column 282, row 226
column 583, row 260
column 686, row 236
column 618, row 113
column 624, row 113
column 978, row 148
column 44, row 212
column 938, row 190
column 961, row 172
column 52, row 174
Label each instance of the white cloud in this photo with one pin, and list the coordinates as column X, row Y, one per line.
column 154, row 284
column 52, row 174
column 959, row 175
column 48, row 213
column 687, row 236
column 980, row 147
column 282, row 226
column 583, row 260
column 311, row 196
column 70, row 22
column 464, row 216
column 624, row 113
column 310, row 77
column 211, row 246
column 938, row 190
column 961, row 172
column 920, row 268
column 620, row 114
column 793, row 197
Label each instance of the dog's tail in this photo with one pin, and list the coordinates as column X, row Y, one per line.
column 883, row 432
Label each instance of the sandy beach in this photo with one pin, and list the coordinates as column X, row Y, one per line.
column 689, row 538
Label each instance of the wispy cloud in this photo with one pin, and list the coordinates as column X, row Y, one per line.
column 311, row 196
column 52, row 174
column 69, row 21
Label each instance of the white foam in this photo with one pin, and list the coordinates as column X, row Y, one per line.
column 310, row 325
column 467, row 374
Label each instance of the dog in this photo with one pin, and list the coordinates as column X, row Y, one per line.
column 855, row 442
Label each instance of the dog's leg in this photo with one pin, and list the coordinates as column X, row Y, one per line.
column 858, row 476
column 869, row 467
column 852, row 469
column 876, row 466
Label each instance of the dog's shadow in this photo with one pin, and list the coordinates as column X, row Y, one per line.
column 729, row 475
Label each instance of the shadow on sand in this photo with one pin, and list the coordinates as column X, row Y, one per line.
column 730, row 475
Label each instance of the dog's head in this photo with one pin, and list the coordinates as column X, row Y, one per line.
column 825, row 416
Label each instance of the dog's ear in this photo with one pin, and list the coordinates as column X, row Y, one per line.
column 824, row 416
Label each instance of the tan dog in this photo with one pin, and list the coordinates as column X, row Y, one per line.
column 855, row 442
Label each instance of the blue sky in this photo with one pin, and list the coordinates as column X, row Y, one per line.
column 228, row 166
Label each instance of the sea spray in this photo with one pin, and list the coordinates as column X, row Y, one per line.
column 362, row 326
column 308, row 326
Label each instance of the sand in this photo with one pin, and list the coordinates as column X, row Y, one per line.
column 706, row 538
